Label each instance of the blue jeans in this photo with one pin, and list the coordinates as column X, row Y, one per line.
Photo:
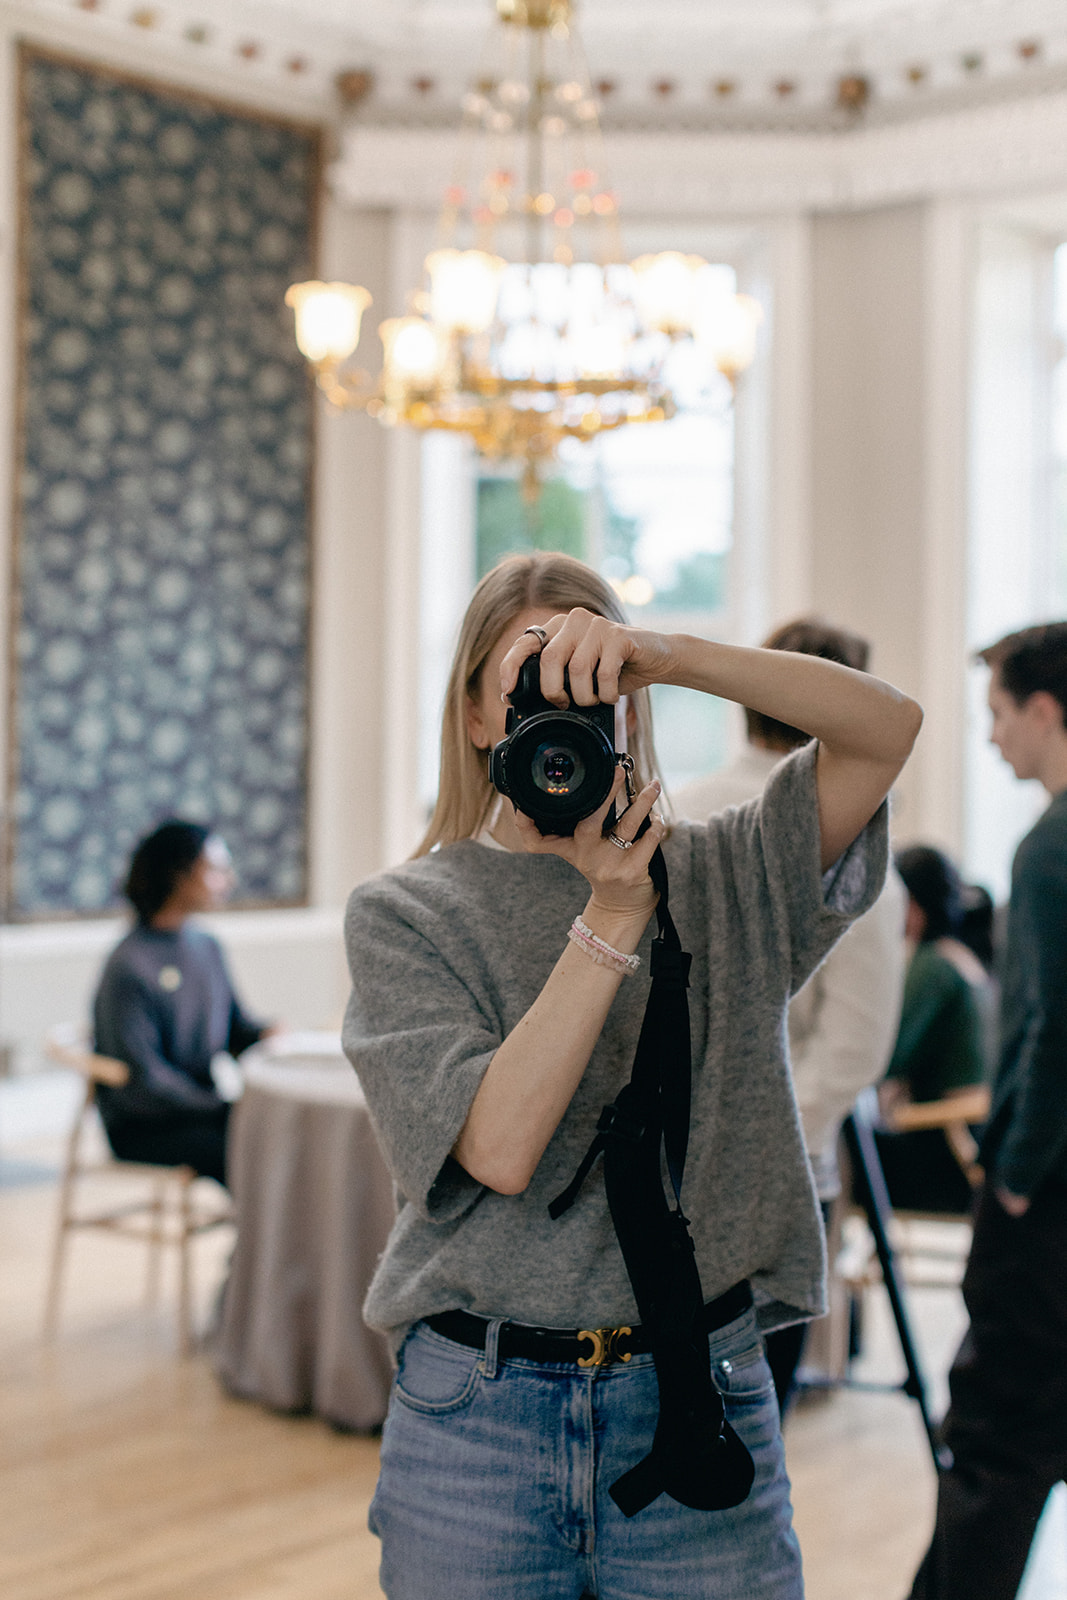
column 495, row 1477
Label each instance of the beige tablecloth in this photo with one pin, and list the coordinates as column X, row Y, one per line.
column 314, row 1206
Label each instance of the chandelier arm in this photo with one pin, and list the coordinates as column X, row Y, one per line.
column 349, row 390
column 493, row 387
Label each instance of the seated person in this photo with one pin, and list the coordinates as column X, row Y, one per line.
column 978, row 924
column 165, row 1006
column 941, row 1043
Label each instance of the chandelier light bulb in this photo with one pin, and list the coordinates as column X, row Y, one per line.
column 599, row 352
column 413, row 354
column 463, row 289
column 665, row 287
column 725, row 328
column 328, row 316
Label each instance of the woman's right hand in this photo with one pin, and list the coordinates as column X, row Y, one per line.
column 618, row 876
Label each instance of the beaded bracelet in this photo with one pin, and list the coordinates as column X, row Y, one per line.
column 604, row 954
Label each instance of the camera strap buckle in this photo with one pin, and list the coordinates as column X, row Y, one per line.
column 626, row 762
column 605, row 1346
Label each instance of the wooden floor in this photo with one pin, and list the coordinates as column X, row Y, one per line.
column 125, row 1474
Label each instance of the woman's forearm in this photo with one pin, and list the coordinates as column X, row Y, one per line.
column 532, row 1077
column 849, row 712
column 865, row 727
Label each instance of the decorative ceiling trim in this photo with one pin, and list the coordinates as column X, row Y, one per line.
column 787, row 114
column 1021, row 145
column 745, row 67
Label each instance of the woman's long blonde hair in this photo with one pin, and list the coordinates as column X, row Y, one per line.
column 545, row 581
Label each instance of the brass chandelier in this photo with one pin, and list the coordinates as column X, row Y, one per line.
column 530, row 327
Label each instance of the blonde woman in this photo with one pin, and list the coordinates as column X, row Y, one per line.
column 488, row 1031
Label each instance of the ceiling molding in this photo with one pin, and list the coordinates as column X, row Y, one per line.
column 702, row 64
column 994, row 150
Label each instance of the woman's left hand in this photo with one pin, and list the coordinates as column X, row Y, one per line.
column 614, row 864
column 584, row 645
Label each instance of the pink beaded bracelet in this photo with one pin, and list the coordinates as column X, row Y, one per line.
column 600, row 951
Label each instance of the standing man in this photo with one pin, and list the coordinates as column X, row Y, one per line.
column 843, row 1022
column 1007, row 1422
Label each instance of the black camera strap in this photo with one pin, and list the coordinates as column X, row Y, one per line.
column 696, row 1457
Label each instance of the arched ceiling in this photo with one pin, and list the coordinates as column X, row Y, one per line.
column 660, row 62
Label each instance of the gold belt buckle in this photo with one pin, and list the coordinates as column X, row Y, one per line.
column 605, row 1346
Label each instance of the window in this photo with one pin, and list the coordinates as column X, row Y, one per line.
column 652, row 508
column 1058, row 437
column 1018, row 506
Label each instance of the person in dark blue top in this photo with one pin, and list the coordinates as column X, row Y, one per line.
column 1006, row 1426
column 165, row 1006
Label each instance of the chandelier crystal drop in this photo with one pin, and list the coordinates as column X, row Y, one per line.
column 530, row 327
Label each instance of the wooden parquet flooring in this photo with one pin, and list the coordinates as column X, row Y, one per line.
column 125, row 1473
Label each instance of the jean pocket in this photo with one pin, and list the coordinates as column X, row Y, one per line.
column 434, row 1376
column 744, row 1376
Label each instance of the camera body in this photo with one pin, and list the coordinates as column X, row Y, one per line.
column 557, row 767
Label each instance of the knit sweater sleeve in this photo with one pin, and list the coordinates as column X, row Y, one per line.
column 419, row 1037
column 775, row 847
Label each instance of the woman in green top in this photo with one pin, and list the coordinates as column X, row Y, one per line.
column 941, row 1043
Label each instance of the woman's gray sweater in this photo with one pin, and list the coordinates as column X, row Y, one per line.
column 448, row 952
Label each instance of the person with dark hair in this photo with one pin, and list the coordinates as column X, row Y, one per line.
column 978, row 924
column 807, row 636
column 843, row 1021
column 1006, row 1425
column 940, row 1049
column 165, row 1006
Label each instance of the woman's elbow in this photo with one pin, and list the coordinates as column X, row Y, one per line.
column 503, row 1171
column 914, row 720
column 904, row 730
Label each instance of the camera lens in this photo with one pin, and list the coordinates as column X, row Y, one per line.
column 557, row 769
column 557, row 766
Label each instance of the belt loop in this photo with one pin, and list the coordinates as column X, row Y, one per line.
column 491, row 1358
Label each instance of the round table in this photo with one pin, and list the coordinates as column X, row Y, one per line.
column 314, row 1205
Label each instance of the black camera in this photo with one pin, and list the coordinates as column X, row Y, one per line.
column 556, row 766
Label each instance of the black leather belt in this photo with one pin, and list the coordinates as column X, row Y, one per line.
column 588, row 1347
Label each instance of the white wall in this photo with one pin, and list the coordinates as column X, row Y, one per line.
column 885, row 546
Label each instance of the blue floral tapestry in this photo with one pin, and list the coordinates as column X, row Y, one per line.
column 162, row 545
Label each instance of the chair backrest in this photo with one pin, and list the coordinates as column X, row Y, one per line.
column 966, row 1106
column 66, row 1044
column 954, row 1115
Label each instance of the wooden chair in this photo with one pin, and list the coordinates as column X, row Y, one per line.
column 912, row 1240
column 162, row 1213
column 954, row 1116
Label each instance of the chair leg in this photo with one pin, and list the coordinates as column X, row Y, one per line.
column 157, row 1224
column 185, row 1232
column 63, row 1222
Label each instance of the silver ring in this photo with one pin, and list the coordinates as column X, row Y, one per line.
column 623, row 844
column 539, row 633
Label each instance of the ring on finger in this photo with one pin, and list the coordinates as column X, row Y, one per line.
column 622, row 844
column 538, row 633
